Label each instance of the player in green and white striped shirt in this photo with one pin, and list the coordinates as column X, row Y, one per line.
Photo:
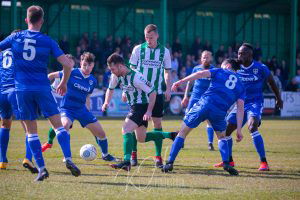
column 141, row 98
column 153, row 60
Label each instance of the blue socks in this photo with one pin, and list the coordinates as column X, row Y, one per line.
column 63, row 138
column 259, row 145
column 230, row 143
column 103, row 144
column 176, row 146
column 223, row 148
column 28, row 153
column 210, row 134
column 36, row 149
column 4, row 138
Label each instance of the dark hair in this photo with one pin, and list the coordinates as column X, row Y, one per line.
column 235, row 64
column 88, row 57
column 15, row 31
column 115, row 59
column 248, row 45
column 35, row 14
column 150, row 27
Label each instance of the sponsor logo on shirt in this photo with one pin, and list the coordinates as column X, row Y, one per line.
column 151, row 63
column 148, row 83
column 80, row 87
column 247, row 77
column 91, row 82
column 78, row 77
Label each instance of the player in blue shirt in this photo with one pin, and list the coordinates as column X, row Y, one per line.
column 73, row 105
column 200, row 86
column 225, row 89
column 253, row 75
column 31, row 50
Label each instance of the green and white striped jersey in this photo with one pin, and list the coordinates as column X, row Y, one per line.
column 135, row 86
column 151, row 63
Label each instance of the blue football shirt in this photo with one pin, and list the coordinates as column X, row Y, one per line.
column 200, row 85
column 79, row 87
column 225, row 89
column 31, row 50
column 7, row 81
column 253, row 78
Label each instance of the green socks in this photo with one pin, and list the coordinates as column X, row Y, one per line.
column 51, row 135
column 134, row 144
column 157, row 137
column 127, row 145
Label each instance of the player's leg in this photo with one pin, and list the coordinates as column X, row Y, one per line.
column 28, row 114
column 127, row 132
column 258, row 142
column 97, row 130
column 210, row 136
column 49, row 143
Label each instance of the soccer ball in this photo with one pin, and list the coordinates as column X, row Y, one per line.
column 88, row 152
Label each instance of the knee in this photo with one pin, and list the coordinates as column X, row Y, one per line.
column 221, row 136
column 6, row 123
column 252, row 128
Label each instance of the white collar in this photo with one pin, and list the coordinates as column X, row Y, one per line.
column 242, row 66
column 84, row 76
column 33, row 31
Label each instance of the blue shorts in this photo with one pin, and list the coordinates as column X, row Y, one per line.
column 250, row 110
column 192, row 102
column 83, row 115
column 201, row 112
column 30, row 102
column 8, row 105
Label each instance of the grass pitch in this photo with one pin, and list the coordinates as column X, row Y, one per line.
column 194, row 176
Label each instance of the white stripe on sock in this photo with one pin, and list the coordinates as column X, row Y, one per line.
column 255, row 134
column 101, row 138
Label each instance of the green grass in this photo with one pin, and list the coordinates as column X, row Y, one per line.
column 194, row 177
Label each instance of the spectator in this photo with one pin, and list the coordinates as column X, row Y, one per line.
column 277, row 81
column 220, row 53
column 292, row 86
column 94, row 42
column 176, row 46
column 196, row 46
column 257, row 52
column 174, row 61
column 208, row 46
column 174, row 76
column 297, row 78
column 64, row 44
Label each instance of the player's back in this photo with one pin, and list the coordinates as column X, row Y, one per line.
column 6, row 71
column 225, row 89
column 201, row 84
column 253, row 78
column 31, row 50
column 79, row 87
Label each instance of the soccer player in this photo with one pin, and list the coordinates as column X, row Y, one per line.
column 73, row 105
column 253, row 75
column 200, row 86
column 153, row 60
column 141, row 98
column 31, row 50
column 9, row 107
column 225, row 89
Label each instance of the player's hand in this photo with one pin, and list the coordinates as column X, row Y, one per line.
column 239, row 136
column 279, row 103
column 167, row 95
column 124, row 98
column 175, row 86
column 185, row 101
column 104, row 107
column 61, row 89
column 147, row 116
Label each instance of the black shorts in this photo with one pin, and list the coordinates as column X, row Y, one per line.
column 158, row 109
column 136, row 113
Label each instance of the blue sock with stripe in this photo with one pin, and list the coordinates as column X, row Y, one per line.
column 4, row 139
column 103, row 144
column 259, row 145
column 210, row 134
column 36, row 149
column 176, row 146
column 223, row 148
column 230, row 143
column 28, row 153
column 63, row 138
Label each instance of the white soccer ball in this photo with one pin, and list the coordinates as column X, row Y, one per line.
column 88, row 152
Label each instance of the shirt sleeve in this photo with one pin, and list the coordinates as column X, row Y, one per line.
column 266, row 72
column 135, row 55
column 55, row 50
column 214, row 71
column 141, row 83
column 113, row 82
column 167, row 59
column 6, row 43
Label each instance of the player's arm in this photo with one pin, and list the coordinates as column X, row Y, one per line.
column 88, row 102
column 167, row 74
column 152, row 98
column 192, row 77
column 134, row 58
column 110, row 91
column 53, row 75
column 239, row 119
column 272, row 84
column 185, row 99
column 6, row 43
